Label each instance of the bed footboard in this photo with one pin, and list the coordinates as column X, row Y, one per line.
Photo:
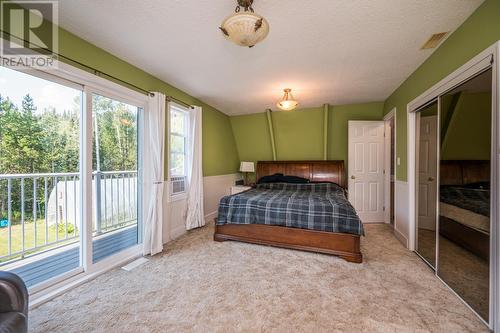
column 346, row 246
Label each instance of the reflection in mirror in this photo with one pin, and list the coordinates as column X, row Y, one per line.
column 464, row 198
column 427, row 139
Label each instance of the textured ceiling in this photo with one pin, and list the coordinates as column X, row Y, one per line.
column 327, row 51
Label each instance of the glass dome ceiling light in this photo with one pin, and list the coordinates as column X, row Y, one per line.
column 245, row 28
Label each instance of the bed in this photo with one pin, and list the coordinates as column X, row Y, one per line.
column 313, row 217
column 464, row 204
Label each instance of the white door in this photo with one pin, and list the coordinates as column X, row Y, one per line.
column 366, row 169
column 427, row 172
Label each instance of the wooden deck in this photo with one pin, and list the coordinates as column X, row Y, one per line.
column 65, row 260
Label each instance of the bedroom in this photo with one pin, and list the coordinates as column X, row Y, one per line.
column 134, row 144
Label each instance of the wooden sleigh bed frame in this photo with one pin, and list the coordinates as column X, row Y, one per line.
column 346, row 246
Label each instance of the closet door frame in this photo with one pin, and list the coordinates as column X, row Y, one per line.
column 489, row 58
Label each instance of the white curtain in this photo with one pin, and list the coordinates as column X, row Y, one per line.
column 154, row 174
column 195, row 215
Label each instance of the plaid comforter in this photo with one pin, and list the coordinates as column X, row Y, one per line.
column 315, row 206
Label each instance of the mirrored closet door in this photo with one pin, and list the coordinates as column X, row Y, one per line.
column 464, row 191
column 453, row 175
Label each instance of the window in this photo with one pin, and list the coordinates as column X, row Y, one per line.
column 178, row 138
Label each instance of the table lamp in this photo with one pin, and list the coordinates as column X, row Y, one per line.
column 245, row 168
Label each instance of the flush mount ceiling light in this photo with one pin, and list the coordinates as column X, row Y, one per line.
column 246, row 28
column 287, row 103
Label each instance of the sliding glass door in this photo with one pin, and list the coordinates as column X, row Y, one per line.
column 69, row 176
column 115, row 172
column 40, row 226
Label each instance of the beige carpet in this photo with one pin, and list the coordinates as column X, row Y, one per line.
column 199, row 285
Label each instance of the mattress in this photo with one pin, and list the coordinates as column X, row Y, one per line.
column 313, row 206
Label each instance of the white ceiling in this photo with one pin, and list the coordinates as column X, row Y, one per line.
column 327, row 51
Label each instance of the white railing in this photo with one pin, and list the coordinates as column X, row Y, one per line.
column 42, row 211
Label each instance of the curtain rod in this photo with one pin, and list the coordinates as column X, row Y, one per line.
column 97, row 72
column 171, row 98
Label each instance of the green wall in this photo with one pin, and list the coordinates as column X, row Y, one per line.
column 477, row 33
column 220, row 156
column 299, row 134
column 252, row 137
column 219, row 150
column 338, row 118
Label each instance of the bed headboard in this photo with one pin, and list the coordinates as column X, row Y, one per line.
column 461, row 172
column 315, row 171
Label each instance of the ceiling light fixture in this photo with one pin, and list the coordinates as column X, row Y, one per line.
column 287, row 103
column 246, row 28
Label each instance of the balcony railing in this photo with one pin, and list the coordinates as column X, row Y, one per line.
column 41, row 211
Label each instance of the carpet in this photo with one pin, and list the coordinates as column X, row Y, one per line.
column 198, row 285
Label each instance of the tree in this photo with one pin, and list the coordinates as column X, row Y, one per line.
column 20, row 145
column 32, row 143
column 60, row 141
column 48, row 142
column 117, row 130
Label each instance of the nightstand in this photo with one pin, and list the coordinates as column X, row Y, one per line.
column 239, row 188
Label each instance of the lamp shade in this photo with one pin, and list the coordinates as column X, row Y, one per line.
column 245, row 29
column 247, row 167
column 287, row 103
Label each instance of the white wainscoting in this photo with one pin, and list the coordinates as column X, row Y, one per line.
column 215, row 187
column 174, row 223
column 401, row 218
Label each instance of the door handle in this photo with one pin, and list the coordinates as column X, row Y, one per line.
column 431, row 179
column 353, row 177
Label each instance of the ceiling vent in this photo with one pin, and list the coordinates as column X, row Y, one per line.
column 434, row 41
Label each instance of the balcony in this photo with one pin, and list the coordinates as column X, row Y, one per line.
column 40, row 221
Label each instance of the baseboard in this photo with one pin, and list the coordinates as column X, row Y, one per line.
column 400, row 237
column 210, row 216
column 177, row 232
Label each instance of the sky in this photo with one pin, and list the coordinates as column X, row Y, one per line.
column 16, row 85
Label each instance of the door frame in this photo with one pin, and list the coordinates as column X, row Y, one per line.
column 388, row 203
column 478, row 64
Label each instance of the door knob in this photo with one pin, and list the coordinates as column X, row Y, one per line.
column 431, row 179
column 353, row 177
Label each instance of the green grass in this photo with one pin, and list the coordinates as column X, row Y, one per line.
column 29, row 237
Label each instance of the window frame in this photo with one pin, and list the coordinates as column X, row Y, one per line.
column 177, row 108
